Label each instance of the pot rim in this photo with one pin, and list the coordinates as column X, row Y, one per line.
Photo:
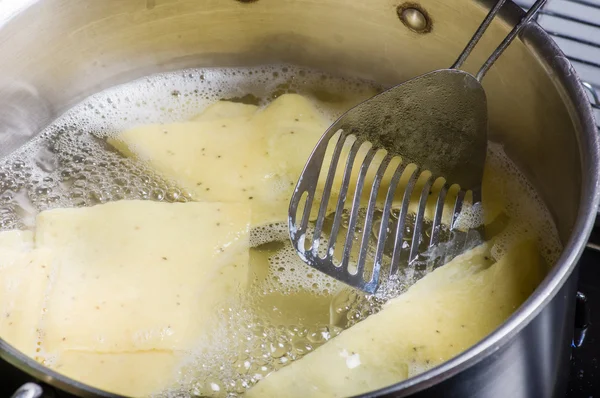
column 566, row 80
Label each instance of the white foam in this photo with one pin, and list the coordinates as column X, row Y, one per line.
column 471, row 216
column 70, row 164
column 289, row 274
column 275, row 232
column 528, row 216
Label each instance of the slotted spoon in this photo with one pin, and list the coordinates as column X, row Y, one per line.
column 438, row 122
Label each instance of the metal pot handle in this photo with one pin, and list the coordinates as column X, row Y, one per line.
column 29, row 390
column 582, row 319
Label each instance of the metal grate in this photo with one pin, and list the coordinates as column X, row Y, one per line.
column 575, row 26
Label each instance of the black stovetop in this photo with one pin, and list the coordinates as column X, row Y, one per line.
column 585, row 371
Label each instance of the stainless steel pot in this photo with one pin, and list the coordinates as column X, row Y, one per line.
column 56, row 52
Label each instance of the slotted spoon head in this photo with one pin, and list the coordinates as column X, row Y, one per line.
column 438, row 122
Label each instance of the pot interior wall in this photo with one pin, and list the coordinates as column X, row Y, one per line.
column 56, row 52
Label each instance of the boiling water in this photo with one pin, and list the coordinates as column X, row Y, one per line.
column 290, row 309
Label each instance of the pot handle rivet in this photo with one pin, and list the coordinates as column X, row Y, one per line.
column 414, row 17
